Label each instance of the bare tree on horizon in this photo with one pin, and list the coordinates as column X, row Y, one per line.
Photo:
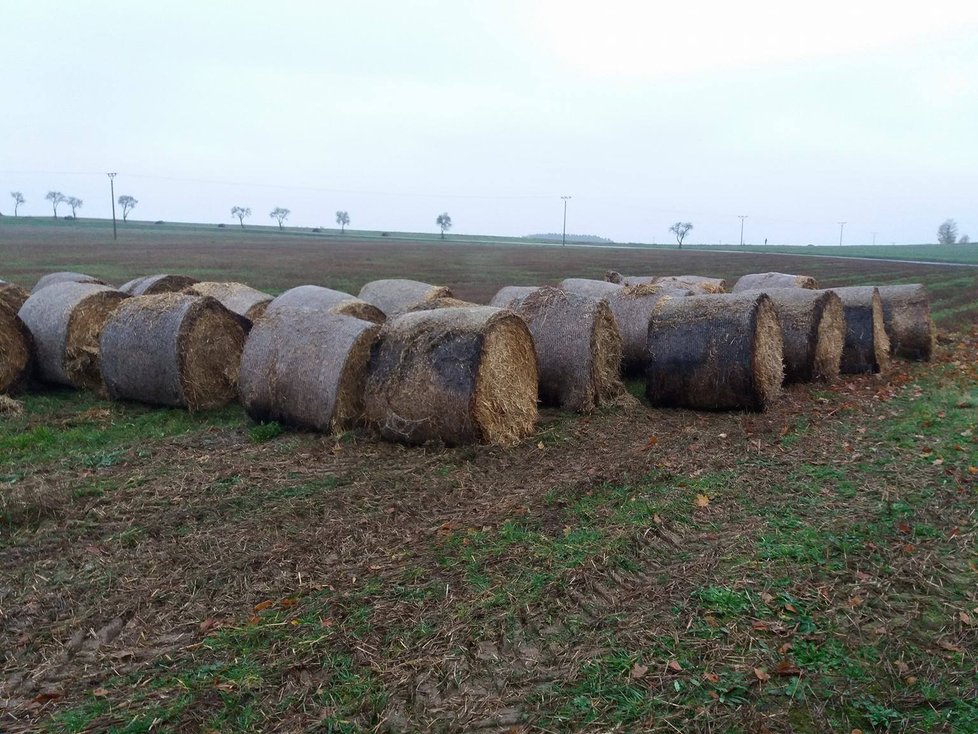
column 18, row 200
column 342, row 219
column 445, row 222
column 947, row 233
column 681, row 229
column 55, row 197
column 280, row 214
column 75, row 203
column 241, row 212
column 128, row 203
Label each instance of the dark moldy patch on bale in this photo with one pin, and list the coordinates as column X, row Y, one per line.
column 907, row 319
column 66, row 320
column 173, row 349
column 767, row 281
column 456, row 375
column 715, row 352
column 12, row 295
column 507, row 294
column 237, row 297
column 396, row 295
column 151, row 285
column 307, row 369
column 813, row 326
column 316, row 298
column 65, row 277
column 867, row 348
column 578, row 348
column 16, row 350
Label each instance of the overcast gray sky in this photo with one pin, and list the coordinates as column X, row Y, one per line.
column 796, row 114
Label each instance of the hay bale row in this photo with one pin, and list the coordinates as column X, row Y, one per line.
column 12, row 295
column 908, row 322
column 66, row 321
column 396, row 296
column 151, row 285
column 236, row 297
column 16, row 350
column 327, row 300
column 456, row 375
column 766, row 281
column 307, row 368
column 714, row 352
column 65, row 277
column 866, row 348
column 172, row 349
column 577, row 345
column 813, row 327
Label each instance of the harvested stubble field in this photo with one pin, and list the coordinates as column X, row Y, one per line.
column 812, row 568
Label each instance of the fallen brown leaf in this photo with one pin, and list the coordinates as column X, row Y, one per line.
column 674, row 666
column 639, row 671
column 702, row 500
column 762, row 675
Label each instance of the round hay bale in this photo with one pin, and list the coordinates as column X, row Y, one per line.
column 578, row 348
column 457, row 375
column 16, row 350
column 396, row 296
column 696, row 283
column 436, row 303
column 151, row 285
column 632, row 307
column 66, row 321
column 767, row 281
column 12, row 295
column 307, row 369
column 867, row 348
column 315, row 298
column 907, row 319
column 64, row 277
column 715, row 352
column 814, row 328
column 507, row 294
column 173, row 349
column 237, row 297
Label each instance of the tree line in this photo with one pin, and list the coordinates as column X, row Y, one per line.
column 128, row 203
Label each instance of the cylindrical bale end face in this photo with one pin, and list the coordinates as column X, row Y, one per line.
column 460, row 375
column 16, row 350
column 866, row 348
column 714, row 352
column 908, row 322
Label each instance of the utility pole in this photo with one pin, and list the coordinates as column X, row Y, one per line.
column 742, row 218
column 842, row 227
column 563, row 235
column 112, row 190
column 874, row 238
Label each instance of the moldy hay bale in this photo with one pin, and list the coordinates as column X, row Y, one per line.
column 307, row 369
column 151, row 285
column 766, row 281
column 715, row 352
column 507, row 294
column 867, row 348
column 396, row 296
column 315, row 298
column 173, row 349
column 237, row 297
column 458, row 375
column 814, row 329
column 16, row 350
column 12, row 295
column 632, row 307
column 906, row 316
column 66, row 321
column 64, row 277
column 578, row 348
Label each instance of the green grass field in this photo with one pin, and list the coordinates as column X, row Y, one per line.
column 813, row 568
